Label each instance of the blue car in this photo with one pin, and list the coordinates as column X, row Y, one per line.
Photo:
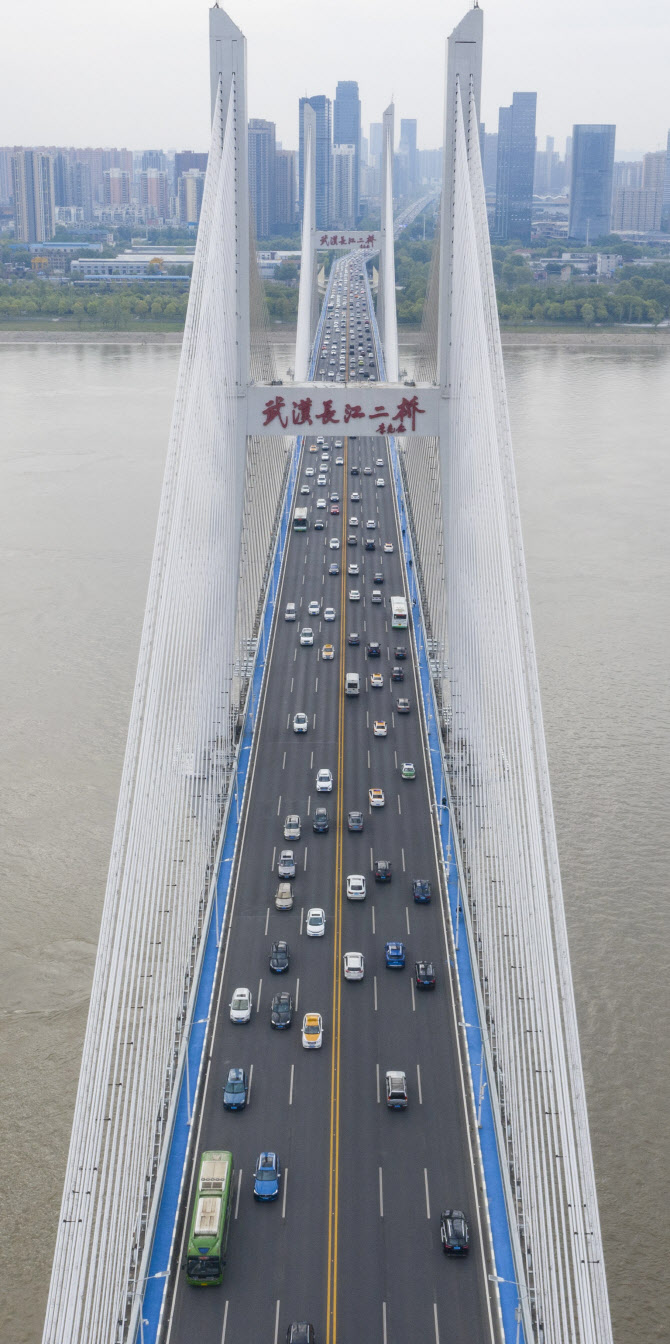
column 235, row 1090
column 395, row 955
column 267, row 1177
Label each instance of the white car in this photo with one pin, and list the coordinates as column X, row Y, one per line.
column 328, row 653
column 324, row 781
column 354, row 965
column 379, row 462
column 321, row 503
column 355, row 498
column 241, row 1005
column 339, row 461
column 312, row 1031
column 353, row 570
column 338, row 443
column 353, row 522
column 313, row 608
column 379, row 728
column 300, row 723
column 306, row 636
column 355, row 887
column 376, row 797
column 388, row 548
column 304, row 489
column 315, row 924
column 354, row 595
column 371, row 524
column 380, row 481
column 329, row 614
column 334, row 543
column 309, row 471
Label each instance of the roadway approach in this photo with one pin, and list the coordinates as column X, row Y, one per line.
column 352, row 1244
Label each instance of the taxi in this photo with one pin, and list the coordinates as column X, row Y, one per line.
column 376, row 797
column 328, row 653
column 380, row 728
column 377, row 679
column 312, row 1031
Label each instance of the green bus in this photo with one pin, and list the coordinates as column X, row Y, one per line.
column 206, row 1255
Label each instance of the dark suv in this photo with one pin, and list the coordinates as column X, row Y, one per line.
column 382, row 870
column 421, row 891
column 321, row 822
column 424, row 975
column 454, row 1232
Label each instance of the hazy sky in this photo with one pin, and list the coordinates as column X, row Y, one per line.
column 135, row 73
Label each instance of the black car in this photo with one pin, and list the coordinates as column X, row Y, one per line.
column 374, row 649
column 318, row 526
column 454, row 1232
column 400, row 651
column 333, row 569
column 281, row 1011
column 300, row 1332
column 355, row 471
column 370, row 544
column 397, row 674
column 235, row 1090
column 279, row 957
column 424, row 975
column 355, row 821
column 321, row 822
column 379, row 577
column 383, row 871
column 353, row 638
column 421, row 891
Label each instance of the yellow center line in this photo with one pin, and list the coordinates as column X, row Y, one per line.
column 333, row 1193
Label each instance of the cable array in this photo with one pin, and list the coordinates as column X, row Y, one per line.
column 216, row 518
column 500, row 786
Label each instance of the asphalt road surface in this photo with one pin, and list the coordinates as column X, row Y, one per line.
column 352, row 1244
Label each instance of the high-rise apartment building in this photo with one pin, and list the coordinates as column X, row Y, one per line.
column 189, row 196
column 515, row 169
column 591, row 183
column 184, row 160
column 262, row 149
column 653, row 179
column 665, row 213
column 347, row 128
column 324, row 141
column 33, row 191
column 152, row 158
column 155, row 193
column 80, row 194
column 627, row 173
column 344, row 194
column 635, row 210
column 6, row 156
column 116, row 186
column 285, row 190
column 408, row 148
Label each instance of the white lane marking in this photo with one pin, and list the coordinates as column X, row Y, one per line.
column 283, row 1203
column 378, row 1086
column 372, row 862
column 267, row 921
column 418, row 1083
column 368, row 758
column 403, row 859
column 290, row 1087
column 399, row 807
column 258, row 1000
column 309, row 803
column 316, row 685
column 437, row 1328
column 291, row 692
column 384, row 1335
column 411, row 985
column 272, row 865
column 277, row 1321
column 302, row 915
column 314, row 720
column 407, row 920
column 392, row 714
column 239, row 1187
column 279, row 805
column 251, row 1077
column 311, row 760
column 367, row 718
column 304, row 866
column 288, row 720
column 225, row 1322
column 395, row 758
column 295, row 654
column 297, row 994
column 375, row 993
column 425, row 1181
column 381, row 1194
column 373, row 919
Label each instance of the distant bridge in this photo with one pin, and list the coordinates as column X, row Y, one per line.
column 497, row 1118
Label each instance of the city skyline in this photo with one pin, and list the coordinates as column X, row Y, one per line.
column 170, row 102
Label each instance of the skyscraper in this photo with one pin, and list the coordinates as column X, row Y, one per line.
column 34, row 205
column 408, row 147
column 191, row 185
column 262, row 148
column 324, row 141
column 285, row 190
column 376, row 141
column 515, row 169
column 347, row 129
column 6, row 156
column 155, row 193
column 344, row 194
column 653, row 179
column 665, row 213
column 116, row 186
column 591, row 185
column 184, row 160
column 80, row 194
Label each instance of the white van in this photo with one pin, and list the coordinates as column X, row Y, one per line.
column 289, row 614
column 352, row 683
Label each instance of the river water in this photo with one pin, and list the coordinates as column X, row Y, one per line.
column 83, row 430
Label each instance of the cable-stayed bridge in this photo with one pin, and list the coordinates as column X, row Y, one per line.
column 408, row 490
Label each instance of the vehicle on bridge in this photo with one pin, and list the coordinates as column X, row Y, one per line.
column 235, row 1090
column 454, row 1232
column 207, row 1243
column 398, row 613
column 267, row 1177
column 300, row 515
column 396, row 1090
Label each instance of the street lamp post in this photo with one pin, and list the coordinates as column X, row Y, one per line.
column 162, row 1274
column 482, row 1084
column 521, row 1288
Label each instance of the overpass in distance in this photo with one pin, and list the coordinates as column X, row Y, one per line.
column 410, row 491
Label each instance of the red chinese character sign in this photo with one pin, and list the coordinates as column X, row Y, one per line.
column 307, row 408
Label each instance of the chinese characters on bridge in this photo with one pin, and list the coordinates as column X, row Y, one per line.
column 378, row 421
column 364, row 241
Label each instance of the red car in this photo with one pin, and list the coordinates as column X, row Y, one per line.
column 334, row 508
